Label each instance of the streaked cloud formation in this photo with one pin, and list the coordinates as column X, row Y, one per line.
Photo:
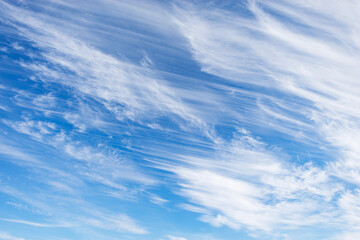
column 180, row 120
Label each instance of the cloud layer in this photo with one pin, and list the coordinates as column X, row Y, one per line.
column 243, row 116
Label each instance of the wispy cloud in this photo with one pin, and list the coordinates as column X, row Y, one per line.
column 118, row 223
column 128, row 90
column 300, row 50
column 250, row 185
column 245, row 115
column 263, row 51
column 175, row 238
column 6, row 236
column 34, row 224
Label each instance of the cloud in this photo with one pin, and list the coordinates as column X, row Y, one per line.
column 17, row 155
column 306, row 53
column 34, row 224
column 175, row 238
column 118, row 223
column 126, row 89
column 7, row 236
column 310, row 68
column 347, row 236
column 62, row 188
column 157, row 199
column 285, row 71
column 71, row 212
column 105, row 166
column 249, row 185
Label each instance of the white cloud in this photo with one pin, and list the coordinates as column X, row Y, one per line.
column 62, row 188
column 300, row 70
column 35, row 129
column 16, row 46
column 347, row 236
column 175, row 238
column 301, row 51
column 157, row 199
column 7, row 236
column 120, row 223
column 350, row 204
column 319, row 68
column 102, row 164
column 126, row 89
column 249, row 185
column 71, row 211
column 34, row 224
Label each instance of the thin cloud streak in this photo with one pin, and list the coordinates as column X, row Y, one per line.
column 34, row 224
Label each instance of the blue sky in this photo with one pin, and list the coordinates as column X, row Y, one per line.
column 179, row 120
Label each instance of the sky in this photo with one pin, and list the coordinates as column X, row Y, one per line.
column 179, row 120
